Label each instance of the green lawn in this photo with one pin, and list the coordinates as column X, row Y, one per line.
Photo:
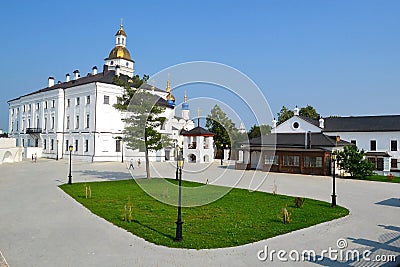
column 378, row 178
column 238, row 218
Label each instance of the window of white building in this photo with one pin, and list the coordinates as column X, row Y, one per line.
column 76, row 145
column 68, row 102
column 52, row 144
column 44, row 144
column 78, row 101
column 77, row 122
column 117, row 145
column 87, row 120
column 88, row 99
column 67, row 126
column 373, row 145
column 53, row 103
column 393, row 145
column 52, row 122
column 66, row 145
column 86, row 145
column 106, row 100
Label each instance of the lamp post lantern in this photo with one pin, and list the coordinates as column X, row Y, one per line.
column 178, row 237
column 334, row 181
column 70, row 148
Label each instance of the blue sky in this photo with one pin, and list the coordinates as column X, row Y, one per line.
column 341, row 57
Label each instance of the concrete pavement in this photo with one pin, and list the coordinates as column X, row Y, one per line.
column 42, row 226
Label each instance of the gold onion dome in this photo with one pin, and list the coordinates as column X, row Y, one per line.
column 169, row 97
column 121, row 31
column 119, row 52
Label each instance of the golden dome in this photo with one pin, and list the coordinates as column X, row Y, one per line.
column 168, row 89
column 121, row 31
column 120, row 52
column 170, row 97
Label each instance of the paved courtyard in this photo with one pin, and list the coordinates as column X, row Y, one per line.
column 42, row 226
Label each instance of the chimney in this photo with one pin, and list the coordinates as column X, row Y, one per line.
column 117, row 70
column 274, row 122
column 296, row 111
column 321, row 123
column 105, row 69
column 67, row 77
column 94, row 70
column 51, row 82
column 76, row 74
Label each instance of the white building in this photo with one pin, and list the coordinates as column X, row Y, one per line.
column 198, row 145
column 378, row 136
column 80, row 112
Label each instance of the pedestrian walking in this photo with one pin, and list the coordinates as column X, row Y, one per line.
column 131, row 165
column 32, row 158
column 35, row 158
column 138, row 163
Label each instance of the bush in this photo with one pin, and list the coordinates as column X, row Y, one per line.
column 352, row 161
column 298, row 201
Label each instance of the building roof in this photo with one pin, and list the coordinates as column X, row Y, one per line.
column 297, row 140
column 106, row 76
column 197, row 131
column 385, row 123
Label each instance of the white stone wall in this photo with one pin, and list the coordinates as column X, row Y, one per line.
column 9, row 153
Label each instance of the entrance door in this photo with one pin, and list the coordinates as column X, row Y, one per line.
column 167, row 154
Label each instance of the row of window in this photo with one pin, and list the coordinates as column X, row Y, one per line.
column 373, row 145
column 68, row 123
column 106, row 100
column 28, row 107
column 294, row 161
column 86, row 145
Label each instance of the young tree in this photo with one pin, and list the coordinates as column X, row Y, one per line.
column 284, row 115
column 223, row 127
column 309, row 112
column 352, row 161
column 142, row 119
column 256, row 131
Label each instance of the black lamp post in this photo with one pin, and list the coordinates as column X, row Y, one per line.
column 177, row 167
column 70, row 148
column 178, row 237
column 334, row 181
column 57, row 150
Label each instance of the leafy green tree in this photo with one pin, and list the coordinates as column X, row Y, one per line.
column 256, row 131
column 142, row 119
column 223, row 128
column 352, row 160
column 309, row 112
column 284, row 115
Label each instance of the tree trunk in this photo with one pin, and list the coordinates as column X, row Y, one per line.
column 146, row 153
column 147, row 163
